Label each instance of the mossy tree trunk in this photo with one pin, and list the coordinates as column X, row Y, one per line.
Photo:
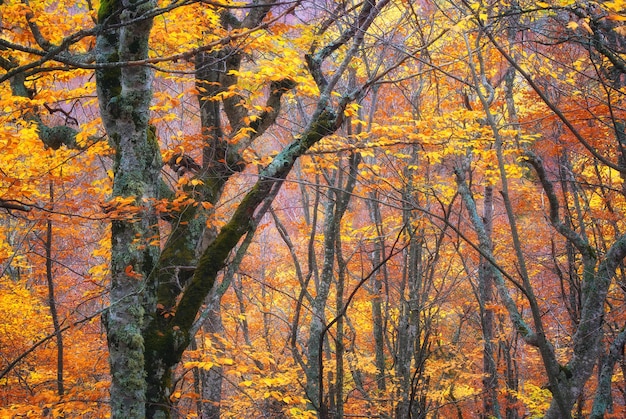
column 124, row 95
column 167, row 336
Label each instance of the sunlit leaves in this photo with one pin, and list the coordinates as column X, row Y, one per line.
column 425, row 121
column 536, row 398
column 183, row 29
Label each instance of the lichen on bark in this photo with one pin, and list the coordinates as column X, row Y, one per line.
column 124, row 95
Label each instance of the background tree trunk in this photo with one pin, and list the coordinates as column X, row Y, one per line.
column 491, row 406
column 211, row 379
column 48, row 245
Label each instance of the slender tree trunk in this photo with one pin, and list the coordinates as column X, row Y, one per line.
column 413, row 334
column 485, row 291
column 334, row 210
column 510, row 376
column 339, row 334
column 414, row 324
column 603, row 398
column 378, row 327
column 212, row 379
column 404, row 347
column 52, row 301
column 318, row 318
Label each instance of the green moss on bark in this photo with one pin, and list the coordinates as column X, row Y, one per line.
column 163, row 351
column 325, row 125
column 55, row 137
column 107, row 9
column 109, row 79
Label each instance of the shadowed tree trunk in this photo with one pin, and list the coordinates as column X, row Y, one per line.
column 485, row 292
column 52, row 300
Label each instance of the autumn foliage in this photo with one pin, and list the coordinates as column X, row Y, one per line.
column 386, row 209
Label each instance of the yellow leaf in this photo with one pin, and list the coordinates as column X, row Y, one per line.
column 226, row 361
column 586, row 27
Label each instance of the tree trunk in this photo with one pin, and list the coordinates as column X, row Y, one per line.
column 211, row 379
column 318, row 318
column 603, row 398
column 413, row 334
column 378, row 326
column 334, row 210
column 124, row 95
column 414, row 324
column 342, row 270
column 485, row 292
column 52, row 301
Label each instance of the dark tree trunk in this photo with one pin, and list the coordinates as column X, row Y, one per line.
column 52, row 300
column 485, row 293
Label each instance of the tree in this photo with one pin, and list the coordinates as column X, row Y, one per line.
column 566, row 381
column 142, row 340
column 312, row 208
column 144, row 343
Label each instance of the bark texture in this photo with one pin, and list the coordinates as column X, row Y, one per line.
column 124, row 94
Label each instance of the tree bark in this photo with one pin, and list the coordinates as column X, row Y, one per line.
column 603, row 398
column 124, row 95
column 378, row 325
column 211, row 379
column 52, row 300
column 414, row 330
column 491, row 406
column 314, row 377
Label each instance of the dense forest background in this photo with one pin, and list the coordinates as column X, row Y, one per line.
column 312, row 209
